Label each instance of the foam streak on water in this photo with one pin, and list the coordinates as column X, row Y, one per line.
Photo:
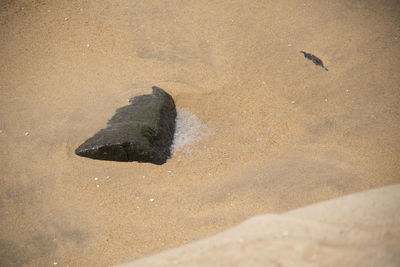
column 189, row 130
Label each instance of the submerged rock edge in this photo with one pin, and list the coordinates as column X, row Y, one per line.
column 123, row 139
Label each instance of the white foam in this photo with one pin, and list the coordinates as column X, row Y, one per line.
column 189, row 129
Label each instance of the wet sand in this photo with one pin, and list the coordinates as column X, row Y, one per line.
column 285, row 133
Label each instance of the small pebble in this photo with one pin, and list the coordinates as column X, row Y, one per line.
column 26, row 133
column 169, row 171
column 55, row 263
column 293, row 102
column 96, row 178
column 98, row 185
column 326, row 100
column 151, row 199
column 87, row 45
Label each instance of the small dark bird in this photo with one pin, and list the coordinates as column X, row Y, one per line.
column 314, row 59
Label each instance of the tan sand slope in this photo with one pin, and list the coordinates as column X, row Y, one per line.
column 285, row 133
column 361, row 229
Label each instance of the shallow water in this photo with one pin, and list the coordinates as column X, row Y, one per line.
column 285, row 133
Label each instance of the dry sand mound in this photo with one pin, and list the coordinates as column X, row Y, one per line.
column 357, row 230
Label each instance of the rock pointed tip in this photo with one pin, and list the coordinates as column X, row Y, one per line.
column 158, row 91
column 81, row 152
column 78, row 151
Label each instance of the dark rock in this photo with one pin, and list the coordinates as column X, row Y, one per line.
column 142, row 131
column 314, row 59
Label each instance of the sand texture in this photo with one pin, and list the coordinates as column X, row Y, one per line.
column 278, row 132
column 361, row 229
